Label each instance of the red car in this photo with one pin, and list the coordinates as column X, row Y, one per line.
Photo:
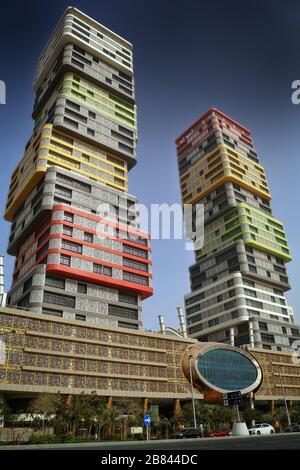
column 219, row 434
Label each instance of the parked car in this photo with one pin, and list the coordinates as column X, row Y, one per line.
column 219, row 433
column 187, row 433
column 262, row 428
column 293, row 428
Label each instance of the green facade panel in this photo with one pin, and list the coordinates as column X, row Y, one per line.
column 255, row 227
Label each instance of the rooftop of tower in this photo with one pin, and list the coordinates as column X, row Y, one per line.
column 93, row 36
column 211, row 110
column 89, row 20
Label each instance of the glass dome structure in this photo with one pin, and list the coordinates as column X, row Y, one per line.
column 221, row 368
column 227, row 369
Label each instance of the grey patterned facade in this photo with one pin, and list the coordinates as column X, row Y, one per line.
column 239, row 279
column 75, row 300
column 75, row 59
column 75, row 230
column 230, row 195
column 73, row 117
column 58, row 186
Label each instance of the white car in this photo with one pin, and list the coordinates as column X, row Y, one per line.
column 262, row 428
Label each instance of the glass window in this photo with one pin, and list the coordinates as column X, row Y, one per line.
column 227, row 369
column 65, row 260
column 100, row 269
column 135, row 278
column 129, row 263
column 59, row 299
column 67, row 231
column 68, row 217
column 82, row 288
column 123, row 312
column 88, row 237
column 70, row 246
column 55, row 282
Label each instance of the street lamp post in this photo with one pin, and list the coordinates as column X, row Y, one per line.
column 285, row 402
column 192, row 391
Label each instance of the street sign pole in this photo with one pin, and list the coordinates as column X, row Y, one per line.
column 285, row 402
column 147, row 423
column 192, row 390
column 238, row 413
column 233, row 399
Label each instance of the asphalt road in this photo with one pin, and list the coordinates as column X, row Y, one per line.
column 289, row 441
column 279, row 441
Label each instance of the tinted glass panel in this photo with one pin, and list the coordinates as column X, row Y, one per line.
column 227, row 369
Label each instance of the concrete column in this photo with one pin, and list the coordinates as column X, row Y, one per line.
column 109, row 402
column 176, row 407
column 145, row 405
column 272, row 406
column 69, row 401
column 251, row 334
column 232, row 336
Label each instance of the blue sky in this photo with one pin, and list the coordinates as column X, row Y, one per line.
column 189, row 56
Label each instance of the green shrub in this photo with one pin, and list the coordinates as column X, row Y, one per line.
column 54, row 439
column 43, row 439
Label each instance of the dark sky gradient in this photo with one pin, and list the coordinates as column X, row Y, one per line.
column 189, row 56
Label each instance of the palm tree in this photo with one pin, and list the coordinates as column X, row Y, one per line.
column 252, row 414
column 104, row 417
column 278, row 418
column 166, row 426
column 210, row 416
column 44, row 406
column 295, row 414
column 222, row 416
column 63, row 415
column 131, row 414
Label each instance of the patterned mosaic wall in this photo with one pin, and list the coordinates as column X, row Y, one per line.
column 273, row 365
column 64, row 356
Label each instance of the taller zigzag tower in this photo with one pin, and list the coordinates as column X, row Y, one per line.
column 73, row 177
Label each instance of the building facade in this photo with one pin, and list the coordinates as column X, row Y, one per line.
column 239, row 278
column 263, row 377
column 45, row 354
column 74, row 228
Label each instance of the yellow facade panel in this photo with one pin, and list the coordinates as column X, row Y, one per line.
column 219, row 166
column 52, row 147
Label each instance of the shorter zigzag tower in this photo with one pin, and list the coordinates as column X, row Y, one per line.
column 73, row 177
column 239, row 278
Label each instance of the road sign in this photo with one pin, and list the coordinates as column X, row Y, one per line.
column 147, row 420
column 235, row 401
column 232, row 398
column 136, row 430
column 235, row 394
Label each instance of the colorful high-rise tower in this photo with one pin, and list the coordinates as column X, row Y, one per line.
column 239, row 278
column 75, row 230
